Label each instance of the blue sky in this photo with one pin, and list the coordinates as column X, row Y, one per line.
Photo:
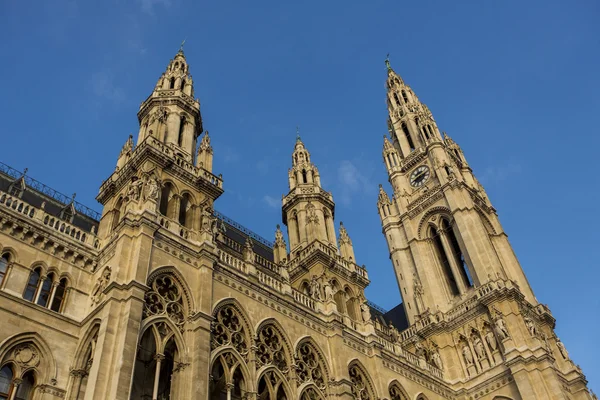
column 514, row 83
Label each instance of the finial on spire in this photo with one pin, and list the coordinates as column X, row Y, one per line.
column 297, row 133
column 387, row 62
column 73, row 197
column 181, row 47
column 25, row 172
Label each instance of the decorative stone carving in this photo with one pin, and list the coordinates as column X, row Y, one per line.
column 562, row 349
column 365, row 312
column 419, row 292
column 101, row 284
column 501, row 328
column 308, row 366
column 26, row 356
column 270, row 348
column 327, row 288
column 478, row 346
column 359, row 384
column 437, row 359
column 152, row 189
column 248, row 251
column 135, row 189
column 394, row 334
column 490, row 339
column 165, row 298
column 530, row 326
column 315, row 288
column 228, row 330
column 467, row 354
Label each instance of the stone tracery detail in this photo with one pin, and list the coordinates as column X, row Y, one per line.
column 359, row 381
column 397, row 393
column 270, row 348
column 228, row 329
column 309, row 367
column 165, row 298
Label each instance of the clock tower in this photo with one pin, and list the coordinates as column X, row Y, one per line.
column 443, row 234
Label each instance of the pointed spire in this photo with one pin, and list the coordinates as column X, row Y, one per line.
column 383, row 197
column 387, row 145
column 344, row 238
column 181, row 47
column 205, row 144
column 387, row 62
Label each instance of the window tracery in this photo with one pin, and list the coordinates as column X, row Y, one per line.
column 270, row 387
column 228, row 330
column 309, row 366
column 360, row 389
column 270, row 348
column 397, row 393
column 165, row 298
column 310, row 393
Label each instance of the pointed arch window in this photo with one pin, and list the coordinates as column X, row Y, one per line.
column 59, row 295
column 32, row 284
column 117, row 213
column 172, row 83
column 443, row 260
column 4, row 262
column 166, row 199
column 458, row 254
column 270, row 387
column 227, row 380
column 304, row 176
column 396, row 99
column 6, row 379
column 44, row 291
column 411, row 145
column 185, row 217
column 404, row 96
column 25, row 388
column 182, row 124
column 182, row 84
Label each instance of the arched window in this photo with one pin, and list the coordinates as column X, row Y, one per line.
column 404, row 97
column 397, row 392
column 4, row 260
column 32, row 284
column 165, row 198
column 6, row 379
column 59, row 295
column 172, row 83
column 117, row 213
column 430, row 130
column 145, row 367
column 227, row 380
column 408, row 138
column 309, row 367
column 270, row 387
column 185, row 213
column 457, row 253
column 396, row 98
column 181, row 130
column 182, row 84
column 339, row 296
column 46, row 287
column 361, row 384
column 25, row 389
column 304, row 176
column 443, row 260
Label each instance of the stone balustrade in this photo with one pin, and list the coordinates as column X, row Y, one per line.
column 332, row 253
column 41, row 216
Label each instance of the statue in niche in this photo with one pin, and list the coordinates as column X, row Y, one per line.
column 420, row 350
column 135, row 189
column 490, row 339
column 315, row 288
column 501, row 328
column 152, row 191
column 478, row 346
column 100, row 285
column 467, row 355
column 394, row 334
column 437, row 360
column 562, row 349
column 365, row 311
column 530, row 326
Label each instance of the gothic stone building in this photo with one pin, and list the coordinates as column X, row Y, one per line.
column 162, row 297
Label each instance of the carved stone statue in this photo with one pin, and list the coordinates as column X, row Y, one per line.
column 100, row 285
column 490, row 338
column 135, row 190
column 418, row 289
column 152, row 189
column 478, row 346
column 394, row 334
column 467, row 355
column 328, row 289
column 437, row 360
column 562, row 349
column 530, row 326
column 502, row 329
column 420, row 350
column 365, row 312
column 315, row 288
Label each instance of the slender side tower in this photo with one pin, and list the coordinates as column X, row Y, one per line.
column 449, row 252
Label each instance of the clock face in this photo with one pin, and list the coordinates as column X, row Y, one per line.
column 419, row 176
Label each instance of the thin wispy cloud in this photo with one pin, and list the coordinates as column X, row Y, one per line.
column 104, row 87
column 148, row 6
column 271, row 201
column 351, row 182
column 498, row 173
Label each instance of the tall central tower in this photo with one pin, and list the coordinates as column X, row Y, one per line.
column 444, row 236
